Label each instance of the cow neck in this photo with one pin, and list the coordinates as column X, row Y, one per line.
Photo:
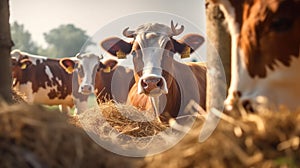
column 103, row 85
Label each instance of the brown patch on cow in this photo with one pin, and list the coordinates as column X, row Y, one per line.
column 103, row 80
column 141, row 101
column 269, row 34
column 37, row 75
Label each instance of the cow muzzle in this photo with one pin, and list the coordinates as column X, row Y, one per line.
column 152, row 85
column 86, row 89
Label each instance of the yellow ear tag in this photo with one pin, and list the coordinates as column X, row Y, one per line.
column 24, row 66
column 186, row 52
column 107, row 69
column 121, row 54
column 69, row 70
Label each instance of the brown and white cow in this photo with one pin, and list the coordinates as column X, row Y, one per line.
column 265, row 52
column 49, row 81
column 169, row 84
column 43, row 80
column 92, row 75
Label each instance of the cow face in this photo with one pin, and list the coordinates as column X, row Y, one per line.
column 86, row 69
column 19, row 62
column 265, row 50
column 152, row 49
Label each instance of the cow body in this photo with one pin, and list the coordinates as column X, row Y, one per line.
column 182, row 89
column 161, row 82
column 42, row 80
column 265, row 52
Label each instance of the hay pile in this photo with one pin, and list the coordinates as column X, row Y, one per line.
column 129, row 120
column 126, row 130
column 31, row 136
column 264, row 140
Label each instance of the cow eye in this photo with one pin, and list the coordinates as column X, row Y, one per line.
column 281, row 24
column 133, row 53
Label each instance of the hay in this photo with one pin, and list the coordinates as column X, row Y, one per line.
column 267, row 139
column 126, row 130
column 129, row 120
column 18, row 97
column 31, row 136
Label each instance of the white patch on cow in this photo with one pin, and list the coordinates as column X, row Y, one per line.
column 152, row 39
column 41, row 96
column 280, row 87
column 233, row 26
column 88, row 63
column 33, row 58
column 59, row 81
column 236, row 67
column 48, row 72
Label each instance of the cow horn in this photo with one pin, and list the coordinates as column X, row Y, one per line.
column 128, row 33
column 175, row 31
column 78, row 55
column 101, row 56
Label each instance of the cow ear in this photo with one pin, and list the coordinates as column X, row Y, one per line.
column 188, row 44
column 67, row 64
column 25, row 63
column 108, row 65
column 116, row 47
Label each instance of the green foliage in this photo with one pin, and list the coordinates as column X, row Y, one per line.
column 66, row 40
column 22, row 39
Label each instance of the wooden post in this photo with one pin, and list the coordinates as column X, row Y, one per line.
column 218, row 35
column 5, row 48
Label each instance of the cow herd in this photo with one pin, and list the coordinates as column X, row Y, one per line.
column 265, row 46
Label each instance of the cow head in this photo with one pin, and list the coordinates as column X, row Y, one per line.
column 19, row 62
column 85, row 71
column 265, row 43
column 153, row 48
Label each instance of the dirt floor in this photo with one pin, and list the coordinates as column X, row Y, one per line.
column 32, row 136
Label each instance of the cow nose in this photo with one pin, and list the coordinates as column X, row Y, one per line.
column 86, row 89
column 151, row 83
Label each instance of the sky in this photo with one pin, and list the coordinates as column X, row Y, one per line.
column 105, row 17
column 40, row 16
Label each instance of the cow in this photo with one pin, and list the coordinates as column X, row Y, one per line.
column 49, row 81
column 265, row 61
column 42, row 80
column 161, row 83
column 91, row 75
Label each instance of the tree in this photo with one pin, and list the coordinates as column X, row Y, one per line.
column 5, row 48
column 66, row 40
column 22, row 39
